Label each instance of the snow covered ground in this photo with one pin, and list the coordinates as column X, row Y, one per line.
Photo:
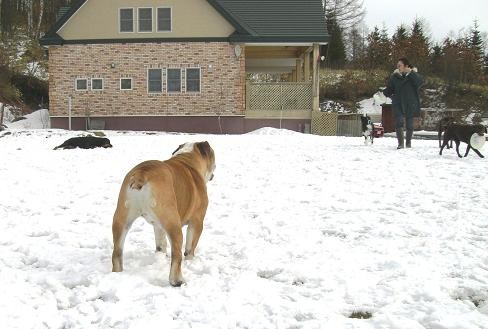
column 36, row 120
column 301, row 232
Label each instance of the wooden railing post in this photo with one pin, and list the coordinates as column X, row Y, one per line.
column 315, row 79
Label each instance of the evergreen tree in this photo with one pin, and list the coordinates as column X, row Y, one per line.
column 337, row 51
column 450, row 59
column 378, row 52
column 400, row 43
column 418, row 46
column 486, row 67
column 476, row 55
column 357, row 48
column 476, row 41
column 436, row 60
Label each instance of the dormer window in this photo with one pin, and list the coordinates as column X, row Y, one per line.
column 126, row 20
column 164, row 20
column 145, row 19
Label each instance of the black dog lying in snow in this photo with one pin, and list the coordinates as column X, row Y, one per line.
column 87, row 142
column 462, row 133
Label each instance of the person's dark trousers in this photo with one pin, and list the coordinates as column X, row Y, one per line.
column 399, row 122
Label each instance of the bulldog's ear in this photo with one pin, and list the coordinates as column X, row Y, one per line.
column 179, row 147
column 204, row 148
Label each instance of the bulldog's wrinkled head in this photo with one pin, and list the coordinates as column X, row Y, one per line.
column 205, row 151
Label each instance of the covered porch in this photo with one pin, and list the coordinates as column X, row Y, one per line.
column 282, row 81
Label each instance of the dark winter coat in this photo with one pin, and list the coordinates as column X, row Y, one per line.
column 403, row 89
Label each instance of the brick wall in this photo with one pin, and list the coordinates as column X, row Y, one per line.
column 222, row 79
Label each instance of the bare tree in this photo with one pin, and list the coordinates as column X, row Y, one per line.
column 0, row 16
column 348, row 13
column 39, row 22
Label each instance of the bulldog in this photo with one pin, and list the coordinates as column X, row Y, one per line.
column 168, row 194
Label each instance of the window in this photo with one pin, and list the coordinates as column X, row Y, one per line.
column 154, row 81
column 164, row 19
column 126, row 16
column 145, row 19
column 97, row 84
column 81, row 84
column 193, row 80
column 126, row 84
column 173, row 81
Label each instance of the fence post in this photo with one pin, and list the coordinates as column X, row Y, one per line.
column 1, row 115
column 69, row 112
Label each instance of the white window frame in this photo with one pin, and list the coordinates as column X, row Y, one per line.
column 152, row 20
column 103, row 84
column 76, row 84
column 181, row 80
column 131, row 83
column 171, row 18
column 147, row 81
column 200, row 80
column 134, row 20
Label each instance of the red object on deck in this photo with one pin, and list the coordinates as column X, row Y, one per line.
column 378, row 130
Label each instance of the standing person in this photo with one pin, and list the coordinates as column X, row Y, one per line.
column 403, row 89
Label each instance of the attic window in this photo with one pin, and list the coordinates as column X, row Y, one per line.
column 145, row 19
column 164, row 19
column 126, row 20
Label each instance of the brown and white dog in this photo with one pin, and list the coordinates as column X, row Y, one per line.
column 168, row 194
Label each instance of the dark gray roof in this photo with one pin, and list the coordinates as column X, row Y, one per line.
column 277, row 18
column 254, row 21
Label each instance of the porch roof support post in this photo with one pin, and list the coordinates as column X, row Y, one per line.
column 299, row 70
column 315, row 82
column 247, row 106
column 307, row 67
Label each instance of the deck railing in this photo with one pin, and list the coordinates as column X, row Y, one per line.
column 279, row 98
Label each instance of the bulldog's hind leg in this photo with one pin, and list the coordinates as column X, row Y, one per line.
column 193, row 233
column 123, row 219
column 160, row 238
column 170, row 220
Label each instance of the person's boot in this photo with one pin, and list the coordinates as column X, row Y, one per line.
column 399, row 135
column 409, row 138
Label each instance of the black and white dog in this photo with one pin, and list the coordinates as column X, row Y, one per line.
column 367, row 128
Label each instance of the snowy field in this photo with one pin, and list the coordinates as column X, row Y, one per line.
column 301, row 232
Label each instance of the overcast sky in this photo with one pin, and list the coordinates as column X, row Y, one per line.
column 443, row 16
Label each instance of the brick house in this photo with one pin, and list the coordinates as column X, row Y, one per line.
column 185, row 65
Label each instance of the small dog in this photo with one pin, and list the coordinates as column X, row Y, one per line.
column 168, row 194
column 87, row 142
column 462, row 133
column 367, row 128
column 441, row 128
